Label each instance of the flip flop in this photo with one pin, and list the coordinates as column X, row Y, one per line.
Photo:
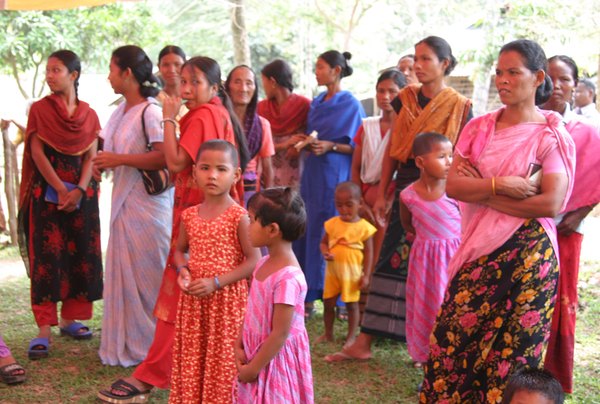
column 7, row 377
column 342, row 314
column 38, row 353
column 344, row 358
column 309, row 313
column 73, row 331
column 134, row 396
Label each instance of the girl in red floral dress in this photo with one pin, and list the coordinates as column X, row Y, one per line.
column 213, row 303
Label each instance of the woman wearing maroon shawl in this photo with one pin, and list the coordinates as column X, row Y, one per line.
column 60, row 240
column 559, row 356
column 287, row 113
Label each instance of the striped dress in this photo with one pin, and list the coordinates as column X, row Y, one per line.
column 287, row 379
column 438, row 235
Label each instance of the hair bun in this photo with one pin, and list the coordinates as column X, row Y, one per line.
column 544, row 91
column 347, row 55
column 348, row 70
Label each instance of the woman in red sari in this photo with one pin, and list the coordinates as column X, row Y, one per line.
column 210, row 117
column 569, row 223
column 286, row 112
column 59, row 224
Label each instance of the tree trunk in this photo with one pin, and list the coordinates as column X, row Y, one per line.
column 241, row 49
column 10, row 173
column 481, row 92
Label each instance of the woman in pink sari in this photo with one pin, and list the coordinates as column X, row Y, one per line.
column 495, row 318
column 559, row 356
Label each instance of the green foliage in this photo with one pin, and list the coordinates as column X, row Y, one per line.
column 27, row 38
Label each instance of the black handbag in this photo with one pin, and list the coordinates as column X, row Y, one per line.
column 155, row 181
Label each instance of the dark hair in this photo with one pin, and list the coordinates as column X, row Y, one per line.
column 283, row 206
column 589, row 84
column 348, row 186
column 534, row 59
column 410, row 55
column 335, row 58
column 212, row 72
column 442, row 49
column 167, row 50
column 569, row 62
column 220, row 145
column 423, row 143
column 134, row 58
column 534, row 380
column 393, row 74
column 251, row 109
column 71, row 62
column 281, row 72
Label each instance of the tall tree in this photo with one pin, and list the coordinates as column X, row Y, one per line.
column 241, row 49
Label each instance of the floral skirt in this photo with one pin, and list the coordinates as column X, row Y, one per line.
column 495, row 319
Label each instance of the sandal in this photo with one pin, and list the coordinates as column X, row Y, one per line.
column 309, row 313
column 38, row 353
column 73, row 331
column 133, row 396
column 7, row 376
column 342, row 314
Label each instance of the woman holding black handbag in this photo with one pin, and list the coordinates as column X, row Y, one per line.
column 140, row 224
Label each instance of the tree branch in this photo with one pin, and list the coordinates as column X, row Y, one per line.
column 13, row 64
column 329, row 19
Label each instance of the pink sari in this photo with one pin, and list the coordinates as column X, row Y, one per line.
column 503, row 153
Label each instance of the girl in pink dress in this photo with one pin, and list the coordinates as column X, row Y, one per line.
column 427, row 212
column 272, row 352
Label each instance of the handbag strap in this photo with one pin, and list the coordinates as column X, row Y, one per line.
column 148, row 144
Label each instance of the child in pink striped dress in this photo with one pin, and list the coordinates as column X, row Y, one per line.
column 427, row 212
column 272, row 352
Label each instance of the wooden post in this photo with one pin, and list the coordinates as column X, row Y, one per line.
column 10, row 174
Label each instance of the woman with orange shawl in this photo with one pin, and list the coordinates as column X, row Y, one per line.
column 287, row 113
column 59, row 224
column 429, row 106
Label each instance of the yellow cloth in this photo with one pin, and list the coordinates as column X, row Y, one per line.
column 346, row 242
column 446, row 114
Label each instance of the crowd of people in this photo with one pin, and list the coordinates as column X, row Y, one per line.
column 230, row 217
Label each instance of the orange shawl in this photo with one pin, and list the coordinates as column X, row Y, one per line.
column 446, row 113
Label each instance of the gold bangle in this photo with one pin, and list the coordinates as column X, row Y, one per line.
column 494, row 185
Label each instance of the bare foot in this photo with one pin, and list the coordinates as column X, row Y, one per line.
column 9, row 360
column 361, row 349
column 349, row 342
column 323, row 338
column 140, row 385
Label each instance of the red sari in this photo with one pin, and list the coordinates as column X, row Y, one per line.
column 61, row 250
column 205, row 122
column 561, row 346
column 289, row 121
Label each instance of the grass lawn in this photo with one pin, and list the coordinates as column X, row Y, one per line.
column 74, row 373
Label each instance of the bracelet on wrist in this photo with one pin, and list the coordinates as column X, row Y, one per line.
column 494, row 185
column 218, row 284
column 80, row 188
column 183, row 266
column 162, row 123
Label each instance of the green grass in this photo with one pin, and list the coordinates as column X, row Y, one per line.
column 74, row 373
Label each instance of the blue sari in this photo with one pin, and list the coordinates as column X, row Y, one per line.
column 336, row 120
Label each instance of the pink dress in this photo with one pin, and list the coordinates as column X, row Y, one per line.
column 288, row 377
column 438, row 235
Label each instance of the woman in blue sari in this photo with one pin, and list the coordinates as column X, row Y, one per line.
column 336, row 115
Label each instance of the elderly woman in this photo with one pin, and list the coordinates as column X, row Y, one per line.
column 59, row 224
column 495, row 318
column 287, row 112
column 559, row 356
column 241, row 87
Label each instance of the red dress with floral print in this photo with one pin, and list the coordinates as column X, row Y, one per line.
column 64, row 248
